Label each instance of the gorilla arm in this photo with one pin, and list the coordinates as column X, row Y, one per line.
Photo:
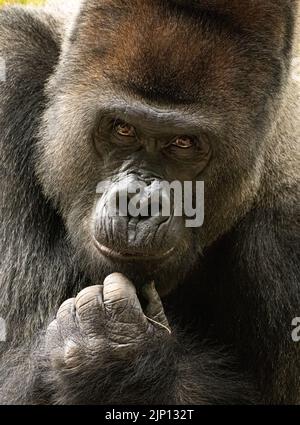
column 103, row 349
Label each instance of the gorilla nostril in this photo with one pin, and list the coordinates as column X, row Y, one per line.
column 122, row 200
column 145, row 206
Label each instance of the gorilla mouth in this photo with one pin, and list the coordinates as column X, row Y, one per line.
column 132, row 255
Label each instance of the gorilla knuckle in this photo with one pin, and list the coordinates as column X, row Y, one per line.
column 65, row 309
column 88, row 297
column 52, row 331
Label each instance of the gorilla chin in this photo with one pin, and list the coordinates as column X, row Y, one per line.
column 143, row 267
column 133, row 255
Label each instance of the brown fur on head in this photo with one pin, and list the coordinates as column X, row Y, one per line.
column 259, row 17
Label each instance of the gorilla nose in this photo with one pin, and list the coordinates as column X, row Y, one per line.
column 130, row 212
column 139, row 200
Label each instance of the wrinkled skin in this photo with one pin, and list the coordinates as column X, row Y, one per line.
column 104, row 319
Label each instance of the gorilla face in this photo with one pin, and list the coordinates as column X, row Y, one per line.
column 174, row 99
column 129, row 145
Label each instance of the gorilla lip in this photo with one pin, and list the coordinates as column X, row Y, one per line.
column 127, row 256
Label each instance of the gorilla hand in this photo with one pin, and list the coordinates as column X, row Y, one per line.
column 100, row 331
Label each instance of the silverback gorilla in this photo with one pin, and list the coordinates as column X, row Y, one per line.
column 145, row 310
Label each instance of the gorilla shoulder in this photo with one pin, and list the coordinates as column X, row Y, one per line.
column 29, row 45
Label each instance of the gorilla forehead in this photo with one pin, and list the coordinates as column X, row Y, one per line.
column 145, row 59
column 161, row 52
column 258, row 17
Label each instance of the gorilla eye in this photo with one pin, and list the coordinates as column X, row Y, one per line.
column 124, row 129
column 184, row 142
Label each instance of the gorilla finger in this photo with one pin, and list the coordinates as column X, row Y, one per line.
column 154, row 309
column 120, row 297
column 66, row 319
column 53, row 338
column 90, row 309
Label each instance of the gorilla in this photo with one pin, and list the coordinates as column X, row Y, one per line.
column 105, row 309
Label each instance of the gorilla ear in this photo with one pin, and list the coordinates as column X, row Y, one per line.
column 266, row 17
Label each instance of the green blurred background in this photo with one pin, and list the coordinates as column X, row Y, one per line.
column 20, row 1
